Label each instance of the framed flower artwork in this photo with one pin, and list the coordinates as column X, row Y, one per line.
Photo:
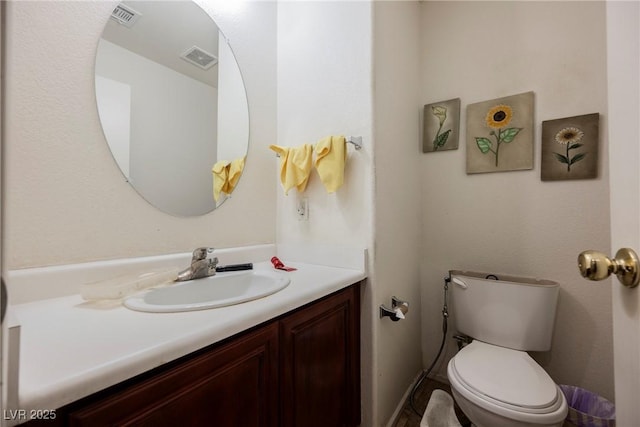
column 500, row 134
column 441, row 126
column 570, row 148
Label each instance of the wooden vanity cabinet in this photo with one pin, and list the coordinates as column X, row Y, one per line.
column 320, row 363
column 301, row 369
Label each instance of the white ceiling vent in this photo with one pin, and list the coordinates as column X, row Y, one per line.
column 125, row 15
column 199, row 57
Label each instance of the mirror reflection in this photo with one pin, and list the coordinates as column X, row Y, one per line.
column 172, row 104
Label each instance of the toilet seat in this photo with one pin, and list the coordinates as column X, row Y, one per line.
column 506, row 382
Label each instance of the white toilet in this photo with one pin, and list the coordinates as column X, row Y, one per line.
column 493, row 380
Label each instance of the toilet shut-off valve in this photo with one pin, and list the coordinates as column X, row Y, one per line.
column 397, row 311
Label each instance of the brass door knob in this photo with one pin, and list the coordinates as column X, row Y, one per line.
column 595, row 265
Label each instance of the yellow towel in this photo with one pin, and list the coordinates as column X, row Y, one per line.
column 331, row 155
column 295, row 166
column 220, row 173
column 235, row 170
column 226, row 175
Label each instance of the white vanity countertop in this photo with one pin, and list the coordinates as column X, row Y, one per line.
column 71, row 348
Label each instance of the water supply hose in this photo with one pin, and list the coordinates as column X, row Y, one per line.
column 425, row 374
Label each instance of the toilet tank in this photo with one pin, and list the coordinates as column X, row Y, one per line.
column 512, row 312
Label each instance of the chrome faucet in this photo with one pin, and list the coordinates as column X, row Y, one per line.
column 201, row 265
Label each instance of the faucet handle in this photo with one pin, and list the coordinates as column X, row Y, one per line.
column 201, row 253
column 211, row 265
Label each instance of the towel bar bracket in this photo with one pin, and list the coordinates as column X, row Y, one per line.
column 356, row 141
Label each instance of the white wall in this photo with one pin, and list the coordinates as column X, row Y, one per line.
column 324, row 88
column 233, row 117
column 512, row 222
column 66, row 201
column 114, row 100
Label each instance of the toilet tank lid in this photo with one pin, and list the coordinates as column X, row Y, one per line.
column 490, row 277
column 506, row 375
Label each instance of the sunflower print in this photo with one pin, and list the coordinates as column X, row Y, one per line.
column 497, row 119
column 499, row 116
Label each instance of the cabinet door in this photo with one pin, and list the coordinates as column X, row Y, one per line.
column 231, row 385
column 320, row 371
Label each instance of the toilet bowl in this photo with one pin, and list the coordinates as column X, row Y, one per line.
column 493, row 379
column 500, row 387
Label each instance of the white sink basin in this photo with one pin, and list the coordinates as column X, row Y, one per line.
column 217, row 291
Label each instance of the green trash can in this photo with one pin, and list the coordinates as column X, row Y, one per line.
column 587, row 409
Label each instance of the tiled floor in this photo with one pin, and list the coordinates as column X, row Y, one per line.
column 408, row 418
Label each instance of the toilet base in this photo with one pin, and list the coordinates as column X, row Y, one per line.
column 482, row 418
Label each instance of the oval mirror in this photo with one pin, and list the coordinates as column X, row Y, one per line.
column 172, row 104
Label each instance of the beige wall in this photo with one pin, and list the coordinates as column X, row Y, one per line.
column 397, row 230
column 512, row 222
column 324, row 88
column 66, row 200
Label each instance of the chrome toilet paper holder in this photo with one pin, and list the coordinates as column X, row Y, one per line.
column 397, row 311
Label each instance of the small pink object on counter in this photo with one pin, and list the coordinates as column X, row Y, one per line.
column 278, row 265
